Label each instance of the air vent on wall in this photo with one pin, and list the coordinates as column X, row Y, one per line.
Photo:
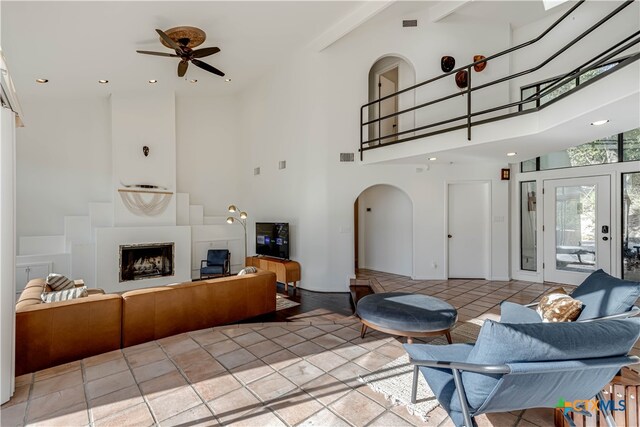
column 347, row 157
column 282, row 164
column 410, row 23
column 256, row 171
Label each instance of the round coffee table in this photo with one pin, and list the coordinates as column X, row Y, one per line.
column 407, row 315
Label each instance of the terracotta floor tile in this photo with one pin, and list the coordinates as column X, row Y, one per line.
column 236, row 358
column 72, row 415
column 105, row 369
column 349, row 351
column 539, row 416
column 13, row 415
column 145, row 357
column 54, row 403
column 281, row 359
column 235, row 332
column 328, row 341
column 288, row 340
column 208, row 336
column 138, row 415
column 391, row 350
column 222, row 347
column 234, row 405
column 259, row 417
column 199, row 416
column 252, row 371
column 249, row 339
column 153, row 370
column 57, row 370
column 295, row 406
column 217, row 386
column 347, row 333
column 109, row 384
column 390, row 419
column 264, row 348
column 178, row 344
column 203, row 369
column 102, row 358
column 57, row 383
column 163, row 384
column 326, row 389
column 310, row 332
column 349, row 373
column 105, row 406
column 271, row 387
column 140, row 347
column 496, row 420
column 179, row 400
column 367, row 408
column 273, row 331
column 306, row 349
column 372, row 361
column 301, row 372
column 190, row 357
column 24, row 379
column 324, row 418
column 327, row 361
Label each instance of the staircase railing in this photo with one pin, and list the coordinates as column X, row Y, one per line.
column 467, row 120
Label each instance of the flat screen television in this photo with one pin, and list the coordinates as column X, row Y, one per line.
column 272, row 239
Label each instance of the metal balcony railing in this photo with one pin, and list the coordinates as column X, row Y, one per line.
column 473, row 118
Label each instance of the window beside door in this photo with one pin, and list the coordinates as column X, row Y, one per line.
column 631, row 226
column 528, row 221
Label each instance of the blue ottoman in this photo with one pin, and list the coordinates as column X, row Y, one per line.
column 407, row 315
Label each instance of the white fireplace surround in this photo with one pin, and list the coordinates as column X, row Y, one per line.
column 108, row 241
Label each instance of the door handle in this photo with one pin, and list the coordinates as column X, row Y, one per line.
column 605, row 238
column 449, row 236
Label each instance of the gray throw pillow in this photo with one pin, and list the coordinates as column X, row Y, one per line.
column 58, row 282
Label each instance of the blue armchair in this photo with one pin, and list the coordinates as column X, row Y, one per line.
column 519, row 366
column 603, row 297
column 218, row 263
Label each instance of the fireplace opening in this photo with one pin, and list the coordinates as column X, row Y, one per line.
column 146, row 261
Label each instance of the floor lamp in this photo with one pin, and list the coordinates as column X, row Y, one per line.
column 242, row 220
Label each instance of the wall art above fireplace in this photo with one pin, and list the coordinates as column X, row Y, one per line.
column 146, row 261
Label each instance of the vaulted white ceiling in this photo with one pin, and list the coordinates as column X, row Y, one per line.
column 74, row 44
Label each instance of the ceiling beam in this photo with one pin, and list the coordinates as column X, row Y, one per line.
column 445, row 8
column 349, row 23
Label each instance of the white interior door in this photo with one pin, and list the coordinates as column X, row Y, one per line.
column 468, row 230
column 577, row 229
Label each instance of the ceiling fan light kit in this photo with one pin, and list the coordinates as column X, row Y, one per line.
column 182, row 40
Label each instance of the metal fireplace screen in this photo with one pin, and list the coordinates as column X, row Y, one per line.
column 146, row 261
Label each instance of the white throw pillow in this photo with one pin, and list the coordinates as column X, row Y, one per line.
column 64, row 295
column 58, row 282
column 247, row 270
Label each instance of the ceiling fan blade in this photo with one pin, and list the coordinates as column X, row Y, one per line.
column 206, row 51
column 170, row 41
column 147, row 52
column 182, row 68
column 207, row 67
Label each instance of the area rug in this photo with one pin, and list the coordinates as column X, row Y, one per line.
column 394, row 380
column 283, row 303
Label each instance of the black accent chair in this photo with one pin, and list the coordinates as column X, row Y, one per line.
column 217, row 264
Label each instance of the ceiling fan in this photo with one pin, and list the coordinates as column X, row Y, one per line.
column 182, row 40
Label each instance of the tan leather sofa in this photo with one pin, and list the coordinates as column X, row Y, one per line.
column 60, row 332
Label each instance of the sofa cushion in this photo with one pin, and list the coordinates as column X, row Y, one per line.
column 65, row 295
column 605, row 295
column 31, row 295
column 515, row 313
column 503, row 343
column 58, row 282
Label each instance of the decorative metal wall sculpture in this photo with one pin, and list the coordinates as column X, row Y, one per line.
column 462, row 79
column 145, row 151
column 447, row 63
column 481, row 66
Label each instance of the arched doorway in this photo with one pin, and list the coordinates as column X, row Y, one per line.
column 388, row 75
column 383, row 225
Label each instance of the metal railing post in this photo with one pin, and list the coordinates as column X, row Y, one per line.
column 469, row 103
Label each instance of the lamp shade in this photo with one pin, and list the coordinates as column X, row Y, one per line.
column 232, row 208
column 243, row 215
column 230, row 220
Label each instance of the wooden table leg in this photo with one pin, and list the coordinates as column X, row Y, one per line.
column 363, row 330
column 448, row 335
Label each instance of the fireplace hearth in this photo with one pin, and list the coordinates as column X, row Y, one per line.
column 146, row 261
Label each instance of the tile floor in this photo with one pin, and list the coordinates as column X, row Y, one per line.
column 304, row 372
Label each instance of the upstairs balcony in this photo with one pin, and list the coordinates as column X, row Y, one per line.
column 581, row 68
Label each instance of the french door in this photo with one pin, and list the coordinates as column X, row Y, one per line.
column 576, row 228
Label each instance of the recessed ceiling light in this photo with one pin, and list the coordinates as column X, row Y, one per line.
column 511, row 154
column 42, row 80
column 152, row 81
column 433, row 158
column 103, row 81
column 227, row 80
column 599, row 122
column 193, row 81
